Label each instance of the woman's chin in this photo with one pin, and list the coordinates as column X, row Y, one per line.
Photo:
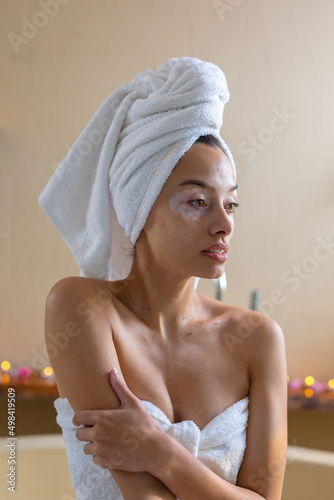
column 212, row 274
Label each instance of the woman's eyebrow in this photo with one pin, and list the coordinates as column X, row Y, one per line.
column 196, row 182
column 203, row 184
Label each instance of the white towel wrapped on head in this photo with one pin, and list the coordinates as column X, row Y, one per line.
column 101, row 194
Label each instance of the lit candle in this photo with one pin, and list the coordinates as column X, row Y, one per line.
column 5, row 366
column 308, row 392
column 48, row 371
column 5, row 378
column 5, row 375
column 309, row 380
column 48, row 375
column 331, row 383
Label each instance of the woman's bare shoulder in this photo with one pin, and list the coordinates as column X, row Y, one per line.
column 79, row 304
column 254, row 334
column 243, row 327
column 74, row 286
column 85, row 296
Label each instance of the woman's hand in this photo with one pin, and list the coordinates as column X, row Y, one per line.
column 125, row 439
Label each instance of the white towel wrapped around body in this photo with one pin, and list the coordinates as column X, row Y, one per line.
column 101, row 194
column 220, row 446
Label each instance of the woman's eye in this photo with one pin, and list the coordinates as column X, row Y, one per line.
column 230, row 207
column 198, row 203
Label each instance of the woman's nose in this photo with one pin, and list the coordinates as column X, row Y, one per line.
column 222, row 222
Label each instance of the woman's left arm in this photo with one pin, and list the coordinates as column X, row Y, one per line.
column 147, row 448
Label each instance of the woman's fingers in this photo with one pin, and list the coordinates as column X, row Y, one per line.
column 85, row 434
column 85, row 417
column 89, row 449
column 126, row 397
column 103, row 456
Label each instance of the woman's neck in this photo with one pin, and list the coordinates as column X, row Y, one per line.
column 164, row 301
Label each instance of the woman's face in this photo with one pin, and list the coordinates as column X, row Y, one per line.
column 189, row 228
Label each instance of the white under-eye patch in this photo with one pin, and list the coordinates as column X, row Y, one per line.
column 180, row 203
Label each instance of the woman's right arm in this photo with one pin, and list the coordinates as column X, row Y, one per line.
column 79, row 340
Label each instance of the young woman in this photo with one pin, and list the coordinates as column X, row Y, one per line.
column 176, row 395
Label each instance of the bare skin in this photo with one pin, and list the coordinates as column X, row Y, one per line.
column 189, row 355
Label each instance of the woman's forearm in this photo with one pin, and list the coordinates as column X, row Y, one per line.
column 190, row 479
column 141, row 486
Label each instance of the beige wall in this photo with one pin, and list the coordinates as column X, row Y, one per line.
column 278, row 58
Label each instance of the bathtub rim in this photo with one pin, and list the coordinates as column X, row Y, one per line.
column 34, row 442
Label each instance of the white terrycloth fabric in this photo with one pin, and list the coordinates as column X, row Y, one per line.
column 220, row 446
column 102, row 192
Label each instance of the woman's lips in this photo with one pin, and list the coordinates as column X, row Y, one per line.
column 217, row 254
